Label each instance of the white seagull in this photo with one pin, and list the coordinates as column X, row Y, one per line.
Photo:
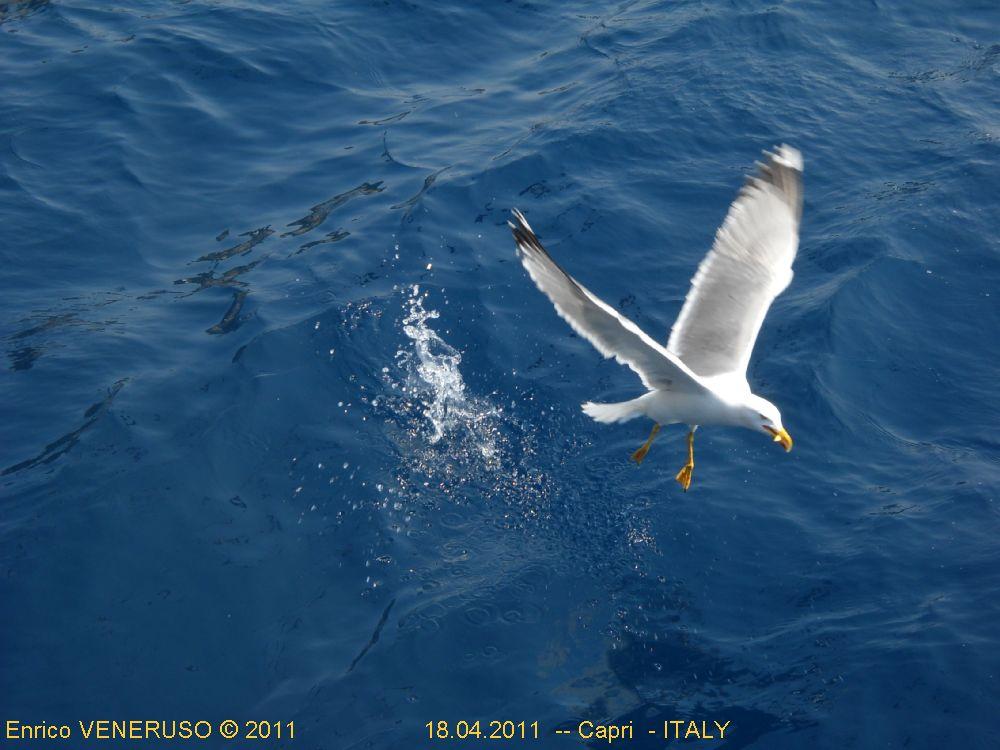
column 699, row 378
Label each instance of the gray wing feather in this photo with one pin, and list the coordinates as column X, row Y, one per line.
column 749, row 265
column 612, row 334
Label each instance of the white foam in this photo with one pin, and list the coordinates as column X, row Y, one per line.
column 433, row 377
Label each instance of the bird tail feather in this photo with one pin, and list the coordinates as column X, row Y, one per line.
column 623, row 411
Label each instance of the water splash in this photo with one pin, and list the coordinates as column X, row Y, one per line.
column 433, row 377
column 459, row 446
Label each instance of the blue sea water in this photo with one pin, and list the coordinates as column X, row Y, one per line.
column 289, row 435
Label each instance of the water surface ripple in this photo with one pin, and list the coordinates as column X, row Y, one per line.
column 289, row 434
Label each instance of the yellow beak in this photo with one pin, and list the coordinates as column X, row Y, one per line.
column 781, row 436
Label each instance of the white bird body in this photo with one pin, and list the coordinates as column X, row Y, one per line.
column 665, row 407
column 699, row 378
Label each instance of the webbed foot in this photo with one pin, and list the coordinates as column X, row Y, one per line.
column 644, row 449
column 684, row 476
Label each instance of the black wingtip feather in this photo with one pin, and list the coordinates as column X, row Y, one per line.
column 524, row 236
column 781, row 169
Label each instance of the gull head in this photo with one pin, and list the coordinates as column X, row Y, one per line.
column 761, row 414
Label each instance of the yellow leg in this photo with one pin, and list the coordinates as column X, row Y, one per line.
column 684, row 475
column 641, row 453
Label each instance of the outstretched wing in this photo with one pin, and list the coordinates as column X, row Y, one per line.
column 612, row 334
column 749, row 265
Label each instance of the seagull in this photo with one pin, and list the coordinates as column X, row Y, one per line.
column 699, row 377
